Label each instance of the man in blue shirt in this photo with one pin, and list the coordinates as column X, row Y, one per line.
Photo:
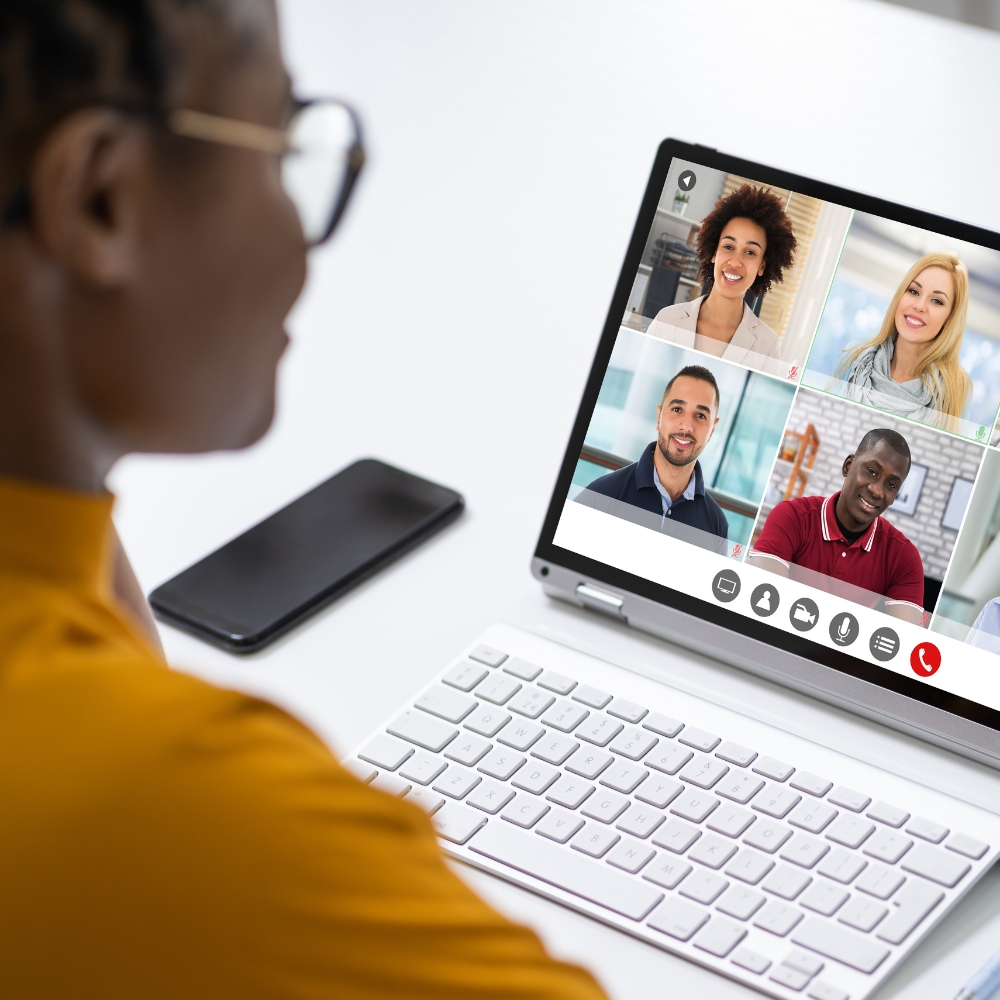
column 667, row 480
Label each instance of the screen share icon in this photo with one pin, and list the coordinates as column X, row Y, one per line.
column 726, row 586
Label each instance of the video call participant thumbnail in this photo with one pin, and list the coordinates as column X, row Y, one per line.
column 843, row 537
column 745, row 244
column 667, row 479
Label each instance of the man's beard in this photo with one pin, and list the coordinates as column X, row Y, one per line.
column 675, row 460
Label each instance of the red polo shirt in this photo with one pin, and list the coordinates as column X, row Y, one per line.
column 883, row 560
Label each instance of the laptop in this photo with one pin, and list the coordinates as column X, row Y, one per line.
column 786, row 458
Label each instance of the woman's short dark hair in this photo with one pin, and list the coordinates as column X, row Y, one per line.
column 767, row 211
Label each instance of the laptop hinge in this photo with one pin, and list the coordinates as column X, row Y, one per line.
column 600, row 600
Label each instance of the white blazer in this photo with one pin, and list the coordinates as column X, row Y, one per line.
column 754, row 344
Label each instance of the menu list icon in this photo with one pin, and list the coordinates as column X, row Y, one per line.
column 884, row 644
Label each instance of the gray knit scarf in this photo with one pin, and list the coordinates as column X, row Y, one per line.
column 870, row 382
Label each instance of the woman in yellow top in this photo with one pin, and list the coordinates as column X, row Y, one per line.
column 160, row 837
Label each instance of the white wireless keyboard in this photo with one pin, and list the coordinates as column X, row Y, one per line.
column 793, row 868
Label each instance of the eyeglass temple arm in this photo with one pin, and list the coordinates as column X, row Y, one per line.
column 228, row 131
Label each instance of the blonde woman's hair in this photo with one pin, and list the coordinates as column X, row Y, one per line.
column 937, row 367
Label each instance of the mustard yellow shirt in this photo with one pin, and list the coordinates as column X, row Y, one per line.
column 160, row 837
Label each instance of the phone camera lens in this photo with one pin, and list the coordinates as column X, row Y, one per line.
column 545, row 571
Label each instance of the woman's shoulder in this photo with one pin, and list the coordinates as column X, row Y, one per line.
column 679, row 311
column 766, row 337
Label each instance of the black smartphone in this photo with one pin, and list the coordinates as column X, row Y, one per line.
column 261, row 584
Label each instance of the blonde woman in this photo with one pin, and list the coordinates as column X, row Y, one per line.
column 912, row 366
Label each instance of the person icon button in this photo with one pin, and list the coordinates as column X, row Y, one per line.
column 726, row 586
column 844, row 629
column 764, row 600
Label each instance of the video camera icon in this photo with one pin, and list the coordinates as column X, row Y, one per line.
column 803, row 614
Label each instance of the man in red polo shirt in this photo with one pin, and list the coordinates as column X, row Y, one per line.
column 843, row 538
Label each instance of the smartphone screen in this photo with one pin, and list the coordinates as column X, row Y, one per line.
column 294, row 562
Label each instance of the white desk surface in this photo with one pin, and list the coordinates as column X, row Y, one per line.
column 450, row 326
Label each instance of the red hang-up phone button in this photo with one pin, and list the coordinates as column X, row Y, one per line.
column 925, row 659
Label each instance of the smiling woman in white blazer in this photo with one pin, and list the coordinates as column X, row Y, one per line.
column 745, row 244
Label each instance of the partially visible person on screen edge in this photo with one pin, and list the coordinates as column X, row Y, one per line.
column 160, row 837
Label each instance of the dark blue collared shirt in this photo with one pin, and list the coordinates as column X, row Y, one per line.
column 634, row 485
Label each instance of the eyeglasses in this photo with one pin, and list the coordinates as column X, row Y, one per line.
column 321, row 155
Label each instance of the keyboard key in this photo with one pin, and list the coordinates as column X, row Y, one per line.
column 842, row 866
column 362, row 771
column 456, row 822
column 385, row 752
column 633, row 743
column 704, row 771
column 776, row 801
column 488, row 655
column 711, row 851
column 467, row 749
column 600, row 884
column 501, row 763
column 908, row 909
column 822, row 897
column 786, row 882
column 730, row 820
column 926, row 830
column 535, row 778
column 890, row 815
column 599, row 730
column 740, row 902
column 624, row 777
column 720, row 937
column 667, row 871
column 570, row 792
column 862, row 913
column 521, row 668
column 694, row 805
column 588, row 763
column 591, row 696
column 703, row 887
column 565, row 716
column 888, row 846
column 679, row 919
column 658, row 791
column 809, row 964
column 663, row 725
column 776, row 770
column 766, row 835
column 824, row 991
column 641, row 822
column 812, row 816
column 840, row 944
column 524, row 811
column 627, row 710
column 556, row 682
column 391, row 784
column 559, row 825
column 851, row 831
column 879, row 881
column 751, row 961
column 452, row 706
column 676, row 836
column 739, row 786
column 778, row 918
column 465, row 675
column 849, row 799
column 554, row 748
column 668, row 758
column 630, row 856
column 595, row 840
column 735, row 754
column 605, row 806
column 803, row 850
column 456, row 782
column 520, row 734
column 961, row 843
column 530, row 702
column 749, row 866
column 490, row 796
column 945, row 869
column 497, row 688
column 422, row 768
column 699, row 739
column 787, row 976
column 429, row 801
column 487, row 720
column 804, row 781
column 416, row 727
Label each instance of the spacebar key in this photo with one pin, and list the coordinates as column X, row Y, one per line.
column 845, row 946
column 555, row 865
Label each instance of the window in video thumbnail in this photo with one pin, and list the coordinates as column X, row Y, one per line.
column 737, row 270
column 912, row 327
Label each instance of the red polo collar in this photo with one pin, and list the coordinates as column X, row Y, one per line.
column 832, row 532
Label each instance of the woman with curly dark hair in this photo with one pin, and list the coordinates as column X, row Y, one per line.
column 745, row 244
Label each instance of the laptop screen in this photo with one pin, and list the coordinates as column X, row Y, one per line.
column 792, row 417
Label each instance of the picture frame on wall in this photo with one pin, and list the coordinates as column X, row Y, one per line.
column 958, row 499
column 909, row 493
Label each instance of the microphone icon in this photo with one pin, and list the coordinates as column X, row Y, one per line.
column 845, row 627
